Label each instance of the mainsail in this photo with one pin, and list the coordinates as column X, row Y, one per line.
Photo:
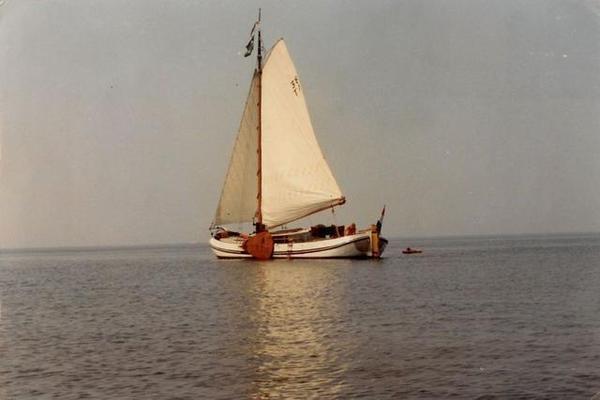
column 238, row 198
column 296, row 180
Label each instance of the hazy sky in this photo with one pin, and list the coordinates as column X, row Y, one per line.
column 117, row 118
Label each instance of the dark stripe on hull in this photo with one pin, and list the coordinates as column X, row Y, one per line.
column 228, row 251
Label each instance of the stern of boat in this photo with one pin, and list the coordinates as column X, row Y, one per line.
column 378, row 243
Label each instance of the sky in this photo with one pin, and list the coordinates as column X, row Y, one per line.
column 464, row 117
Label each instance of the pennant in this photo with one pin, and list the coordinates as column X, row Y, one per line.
column 380, row 220
column 249, row 47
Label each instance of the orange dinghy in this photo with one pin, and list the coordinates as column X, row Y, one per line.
column 408, row 250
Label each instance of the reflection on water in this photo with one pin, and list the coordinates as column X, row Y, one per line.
column 296, row 333
column 3, row 351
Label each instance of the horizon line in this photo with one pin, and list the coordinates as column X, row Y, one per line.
column 41, row 249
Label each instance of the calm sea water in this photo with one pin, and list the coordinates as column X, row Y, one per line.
column 487, row 318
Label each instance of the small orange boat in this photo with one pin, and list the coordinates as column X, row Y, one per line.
column 408, row 250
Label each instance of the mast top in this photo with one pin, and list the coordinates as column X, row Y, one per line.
column 259, row 52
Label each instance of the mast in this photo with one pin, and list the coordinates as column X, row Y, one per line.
column 259, row 225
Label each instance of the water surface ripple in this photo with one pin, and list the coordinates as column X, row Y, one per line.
column 487, row 318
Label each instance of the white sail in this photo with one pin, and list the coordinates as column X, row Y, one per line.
column 296, row 180
column 238, row 201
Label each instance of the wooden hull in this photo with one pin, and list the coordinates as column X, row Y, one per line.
column 351, row 246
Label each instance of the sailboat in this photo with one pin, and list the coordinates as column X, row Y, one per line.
column 277, row 174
